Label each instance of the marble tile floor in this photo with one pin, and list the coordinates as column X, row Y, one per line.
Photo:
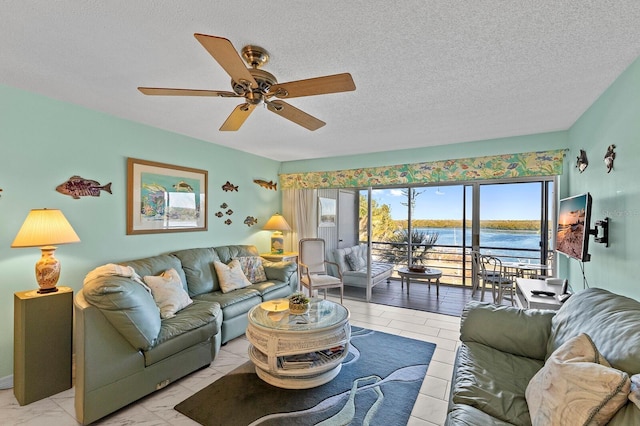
column 157, row 408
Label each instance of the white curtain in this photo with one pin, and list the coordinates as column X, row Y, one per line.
column 300, row 207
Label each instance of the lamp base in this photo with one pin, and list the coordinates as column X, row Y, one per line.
column 47, row 290
column 277, row 243
column 47, row 270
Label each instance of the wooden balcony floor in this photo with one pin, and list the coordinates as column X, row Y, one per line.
column 451, row 301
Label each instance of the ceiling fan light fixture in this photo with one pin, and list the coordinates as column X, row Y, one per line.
column 255, row 85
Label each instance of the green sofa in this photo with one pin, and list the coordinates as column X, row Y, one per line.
column 503, row 347
column 124, row 350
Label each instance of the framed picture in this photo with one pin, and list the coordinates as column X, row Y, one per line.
column 165, row 198
column 326, row 212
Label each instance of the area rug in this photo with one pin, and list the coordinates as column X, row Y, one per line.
column 378, row 385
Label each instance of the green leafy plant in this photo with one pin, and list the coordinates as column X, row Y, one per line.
column 298, row 298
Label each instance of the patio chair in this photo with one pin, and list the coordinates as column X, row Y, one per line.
column 312, row 265
column 493, row 274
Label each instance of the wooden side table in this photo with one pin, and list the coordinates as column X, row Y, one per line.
column 428, row 274
column 42, row 333
column 288, row 256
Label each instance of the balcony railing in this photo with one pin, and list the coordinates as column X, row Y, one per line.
column 453, row 261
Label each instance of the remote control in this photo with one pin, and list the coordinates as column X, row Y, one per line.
column 542, row 293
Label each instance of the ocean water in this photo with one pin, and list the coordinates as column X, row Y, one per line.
column 493, row 241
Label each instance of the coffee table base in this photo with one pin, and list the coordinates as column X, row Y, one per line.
column 298, row 382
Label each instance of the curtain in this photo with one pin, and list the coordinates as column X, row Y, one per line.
column 300, row 207
column 544, row 163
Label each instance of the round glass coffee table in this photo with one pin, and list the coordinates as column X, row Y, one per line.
column 298, row 351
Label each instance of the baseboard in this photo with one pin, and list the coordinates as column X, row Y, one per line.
column 6, row 382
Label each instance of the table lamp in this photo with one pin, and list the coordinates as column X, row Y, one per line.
column 43, row 228
column 278, row 224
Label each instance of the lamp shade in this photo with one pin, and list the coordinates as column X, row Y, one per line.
column 45, row 227
column 277, row 222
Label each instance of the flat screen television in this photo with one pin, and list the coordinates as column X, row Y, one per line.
column 574, row 223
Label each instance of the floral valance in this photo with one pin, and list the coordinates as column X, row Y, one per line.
column 545, row 163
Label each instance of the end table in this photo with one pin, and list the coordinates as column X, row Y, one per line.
column 42, row 344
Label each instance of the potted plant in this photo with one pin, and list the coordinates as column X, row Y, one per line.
column 298, row 303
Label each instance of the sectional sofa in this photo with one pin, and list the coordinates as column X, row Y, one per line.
column 124, row 347
column 579, row 365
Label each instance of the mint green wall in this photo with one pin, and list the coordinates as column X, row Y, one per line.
column 44, row 142
column 512, row 145
column 613, row 119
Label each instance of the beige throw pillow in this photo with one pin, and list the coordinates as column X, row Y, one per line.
column 576, row 386
column 168, row 292
column 252, row 268
column 230, row 276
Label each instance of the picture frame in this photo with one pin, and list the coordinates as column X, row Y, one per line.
column 165, row 198
column 326, row 212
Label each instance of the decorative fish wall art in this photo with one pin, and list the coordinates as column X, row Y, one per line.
column 581, row 161
column 229, row 187
column 78, row 186
column 609, row 157
column 265, row 184
column 250, row 221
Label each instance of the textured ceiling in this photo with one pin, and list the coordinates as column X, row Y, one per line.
column 427, row 72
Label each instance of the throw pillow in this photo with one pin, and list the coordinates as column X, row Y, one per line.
column 576, row 386
column 168, row 292
column 230, row 276
column 355, row 263
column 634, row 395
column 252, row 268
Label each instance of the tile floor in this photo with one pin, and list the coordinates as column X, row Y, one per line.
column 157, row 409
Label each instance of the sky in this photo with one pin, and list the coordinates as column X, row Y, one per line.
column 515, row 201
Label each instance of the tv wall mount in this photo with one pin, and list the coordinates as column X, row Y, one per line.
column 601, row 231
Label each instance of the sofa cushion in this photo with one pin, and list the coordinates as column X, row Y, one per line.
column 465, row 415
column 168, row 292
column 227, row 253
column 280, row 271
column 195, row 324
column 252, row 268
column 494, row 382
column 199, row 270
column 611, row 321
column 576, row 386
column 231, row 276
column 237, row 302
column 522, row 332
column 156, row 265
column 128, row 306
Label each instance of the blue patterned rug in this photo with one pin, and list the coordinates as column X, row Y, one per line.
column 378, row 385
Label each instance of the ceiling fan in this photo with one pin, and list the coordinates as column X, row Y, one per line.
column 258, row 86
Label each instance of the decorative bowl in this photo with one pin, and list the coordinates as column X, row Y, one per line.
column 417, row 268
column 298, row 309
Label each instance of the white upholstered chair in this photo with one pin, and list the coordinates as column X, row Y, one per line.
column 312, row 265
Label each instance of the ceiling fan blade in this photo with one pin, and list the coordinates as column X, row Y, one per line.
column 159, row 91
column 296, row 115
column 314, row 86
column 237, row 117
column 226, row 55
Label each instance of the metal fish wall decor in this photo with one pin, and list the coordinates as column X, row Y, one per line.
column 265, row 184
column 581, row 161
column 609, row 157
column 78, row 186
column 229, row 187
column 250, row 221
